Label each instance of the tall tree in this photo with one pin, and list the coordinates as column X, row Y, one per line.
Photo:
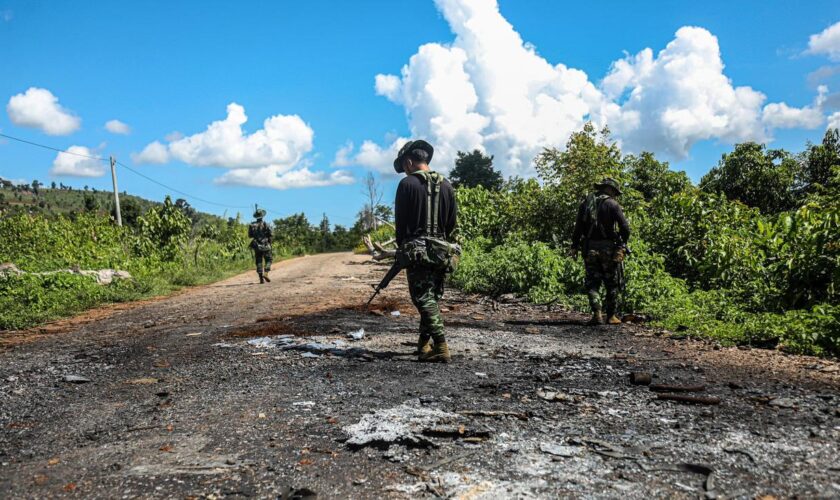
column 820, row 159
column 373, row 194
column 652, row 177
column 475, row 169
column 756, row 177
column 91, row 205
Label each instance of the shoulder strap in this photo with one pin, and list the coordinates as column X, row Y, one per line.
column 433, row 181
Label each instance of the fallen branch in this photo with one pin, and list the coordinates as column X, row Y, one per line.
column 682, row 398
column 377, row 254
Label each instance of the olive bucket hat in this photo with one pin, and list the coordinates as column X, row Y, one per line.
column 259, row 213
column 408, row 148
column 608, row 182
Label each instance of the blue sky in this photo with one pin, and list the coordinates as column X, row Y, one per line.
column 164, row 67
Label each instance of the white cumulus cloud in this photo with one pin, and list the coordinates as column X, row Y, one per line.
column 780, row 115
column 490, row 90
column 279, row 177
column 155, row 153
column 273, row 156
column 283, row 140
column 680, row 97
column 117, row 127
column 834, row 120
column 39, row 108
column 72, row 165
column 826, row 42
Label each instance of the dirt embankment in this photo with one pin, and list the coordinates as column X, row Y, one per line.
column 245, row 390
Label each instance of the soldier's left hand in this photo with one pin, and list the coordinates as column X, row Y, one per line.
column 619, row 255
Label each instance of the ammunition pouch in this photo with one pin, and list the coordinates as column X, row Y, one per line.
column 261, row 246
column 430, row 253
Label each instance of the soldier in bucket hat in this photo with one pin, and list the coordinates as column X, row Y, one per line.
column 601, row 233
column 425, row 222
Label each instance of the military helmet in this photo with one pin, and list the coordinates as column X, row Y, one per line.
column 608, row 182
column 408, row 148
column 259, row 213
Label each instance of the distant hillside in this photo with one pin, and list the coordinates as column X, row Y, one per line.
column 61, row 199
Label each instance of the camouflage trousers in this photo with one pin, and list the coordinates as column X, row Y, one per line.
column 426, row 288
column 261, row 256
column 602, row 269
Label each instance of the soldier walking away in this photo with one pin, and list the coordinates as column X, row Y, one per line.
column 601, row 233
column 426, row 233
column 260, row 234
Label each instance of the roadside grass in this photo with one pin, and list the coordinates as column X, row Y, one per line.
column 30, row 299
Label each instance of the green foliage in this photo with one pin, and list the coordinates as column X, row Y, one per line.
column 751, row 257
column 164, row 229
column 164, row 251
column 757, row 177
column 475, row 169
column 652, row 178
column 820, row 161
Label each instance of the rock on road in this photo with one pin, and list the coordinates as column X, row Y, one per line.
column 237, row 389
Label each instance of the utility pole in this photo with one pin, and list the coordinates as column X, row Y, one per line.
column 116, row 191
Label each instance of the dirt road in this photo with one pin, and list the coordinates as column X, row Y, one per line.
column 245, row 390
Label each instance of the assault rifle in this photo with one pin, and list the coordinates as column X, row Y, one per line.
column 391, row 274
column 622, row 282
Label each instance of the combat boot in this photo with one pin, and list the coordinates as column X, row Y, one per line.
column 597, row 318
column 265, row 275
column 424, row 346
column 613, row 320
column 262, row 279
column 438, row 354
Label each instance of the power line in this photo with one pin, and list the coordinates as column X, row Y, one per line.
column 121, row 164
column 177, row 190
column 52, row 148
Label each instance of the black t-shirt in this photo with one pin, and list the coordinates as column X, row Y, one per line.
column 410, row 209
column 610, row 218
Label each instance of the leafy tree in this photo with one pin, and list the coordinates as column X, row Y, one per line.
column 53, row 184
column 130, row 210
column 91, row 204
column 590, row 155
column 36, row 185
column 295, row 234
column 384, row 213
column 756, row 176
column 819, row 161
column 475, row 169
column 163, row 228
column 652, row 178
column 188, row 210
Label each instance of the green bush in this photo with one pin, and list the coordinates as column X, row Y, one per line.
column 734, row 262
column 162, row 252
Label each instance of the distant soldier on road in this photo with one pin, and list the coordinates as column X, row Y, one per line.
column 601, row 233
column 260, row 234
column 425, row 220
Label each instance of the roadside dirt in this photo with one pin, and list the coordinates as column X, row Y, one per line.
column 244, row 390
